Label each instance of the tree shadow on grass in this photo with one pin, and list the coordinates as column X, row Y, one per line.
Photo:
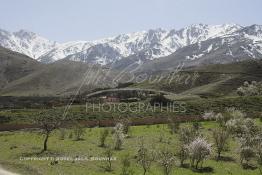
column 78, row 140
column 204, row 170
column 200, row 170
column 248, row 166
column 185, row 165
column 40, row 153
column 225, row 159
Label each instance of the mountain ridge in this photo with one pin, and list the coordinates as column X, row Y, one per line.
column 158, row 42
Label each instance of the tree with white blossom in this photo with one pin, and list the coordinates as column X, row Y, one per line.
column 119, row 136
column 198, row 151
column 250, row 89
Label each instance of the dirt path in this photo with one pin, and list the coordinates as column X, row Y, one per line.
column 5, row 172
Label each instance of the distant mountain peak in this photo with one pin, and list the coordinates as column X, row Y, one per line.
column 25, row 34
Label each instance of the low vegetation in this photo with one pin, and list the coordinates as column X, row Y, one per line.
column 198, row 150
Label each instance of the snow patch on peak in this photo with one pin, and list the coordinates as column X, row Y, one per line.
column 194, row 57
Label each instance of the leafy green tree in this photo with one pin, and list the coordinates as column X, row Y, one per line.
column 48, row 121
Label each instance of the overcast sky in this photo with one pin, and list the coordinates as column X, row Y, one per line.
column 65, row 20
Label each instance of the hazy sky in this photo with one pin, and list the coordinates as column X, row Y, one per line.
column 65, row 20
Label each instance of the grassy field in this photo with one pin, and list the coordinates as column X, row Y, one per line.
column 184, row 107
column 15, row 145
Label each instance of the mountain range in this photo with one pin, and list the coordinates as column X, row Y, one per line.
column 191, row 44
column 31, row 65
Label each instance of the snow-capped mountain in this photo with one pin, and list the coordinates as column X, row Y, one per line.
column 26, row 42
column 147, row 45
column 243, row 44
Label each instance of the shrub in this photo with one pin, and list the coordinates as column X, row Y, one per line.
column 235, row 113
column 109, row 158
column 183, row 154
column 102, row 138
column 62, row 134
column 70, row 136
column 246, row 154
column 196, row 125
column 222, row 119
column 126, row 165
column 173, row 125
column 187, row 135
column 208, row 115
column 78, row 131
column 241, row 126
column 250, row 89
column 160, row 100
column 126, row 125
column 220, row 136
